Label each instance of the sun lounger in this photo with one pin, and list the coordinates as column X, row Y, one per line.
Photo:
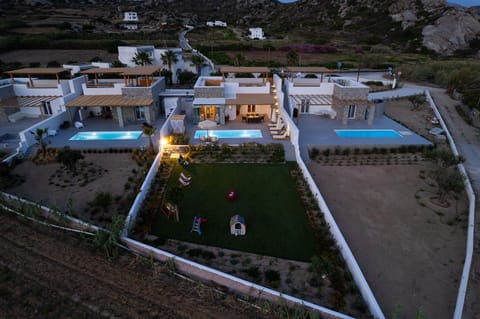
column 51, row 132
column 184, row 183
column 277, row 130
column 79, row 125
column 280, row 136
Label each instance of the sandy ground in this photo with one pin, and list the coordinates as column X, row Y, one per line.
column 409, row 254
column 418, row 121
column 61, row 56
column 36, row 188
column 49, row 274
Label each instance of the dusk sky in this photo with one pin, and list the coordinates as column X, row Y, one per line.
column 466, row 3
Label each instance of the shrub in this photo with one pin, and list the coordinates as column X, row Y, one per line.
column 314, row 152
column 253, row 272
column 272, row 277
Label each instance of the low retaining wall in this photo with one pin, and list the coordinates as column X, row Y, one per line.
column 238, row 285
column 462, row 290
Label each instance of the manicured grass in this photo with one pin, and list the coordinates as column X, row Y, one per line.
column 276, row 220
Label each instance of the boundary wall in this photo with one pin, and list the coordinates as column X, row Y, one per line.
column 462, row 290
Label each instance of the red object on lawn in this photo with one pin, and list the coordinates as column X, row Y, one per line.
column 231, row 195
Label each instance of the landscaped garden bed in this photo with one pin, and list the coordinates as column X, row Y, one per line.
column 102, row 182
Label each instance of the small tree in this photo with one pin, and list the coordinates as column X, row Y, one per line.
column 149, row 130
column 108, row 239
column 448, row 182
column 39, row 134
column 118, row 64
column 417, row 101
column 142, row 58
column 69, row 158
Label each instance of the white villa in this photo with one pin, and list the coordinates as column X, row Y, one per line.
column 227, row 97
column 37, row 93
column 338, row 98
column 256, row 34
column 126, row 54
column 123, row 95
column 216, row 23
column 130, row 16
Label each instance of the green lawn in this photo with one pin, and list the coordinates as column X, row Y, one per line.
column 276, row 220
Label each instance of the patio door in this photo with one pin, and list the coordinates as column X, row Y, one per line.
column 351, row 111
column 47, row 108
column 305, row 106
column 208, row 112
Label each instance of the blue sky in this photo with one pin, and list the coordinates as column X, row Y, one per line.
column 466, row 3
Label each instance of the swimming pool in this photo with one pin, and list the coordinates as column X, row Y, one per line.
column 111, row 136
column 368, row 134
column 229, row 133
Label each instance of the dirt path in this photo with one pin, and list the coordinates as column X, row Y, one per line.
column 411, row 256
column 48, row 274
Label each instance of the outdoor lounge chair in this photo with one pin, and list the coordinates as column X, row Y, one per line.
column 79, row 125
column 52, row 132
column 277, row 125
column 184, row 183
column 185, row 178
column 277, row 130
column 280, row 136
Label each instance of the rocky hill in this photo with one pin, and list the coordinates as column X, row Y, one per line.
column 411, row 25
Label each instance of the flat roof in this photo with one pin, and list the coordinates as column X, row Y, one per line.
column 314, row 99
column 138, row 70
column 307, row 69
column 38, row 71
column 108, row 100
column 244, row 69
column 252, row 99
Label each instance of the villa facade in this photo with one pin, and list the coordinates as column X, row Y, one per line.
column 231, row 96
column 124, row 95
column 37, row 93
column 337, row 98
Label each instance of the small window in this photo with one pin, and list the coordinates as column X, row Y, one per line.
column 351, row 111
column 251, row 108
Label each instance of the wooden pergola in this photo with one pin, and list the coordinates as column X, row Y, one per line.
column 38, row 71
column 130, row 75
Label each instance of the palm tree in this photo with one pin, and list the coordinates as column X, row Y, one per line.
column 142, row 58
column 169, row 58
column 39, row 135
column 198, row 63
column 149, row 131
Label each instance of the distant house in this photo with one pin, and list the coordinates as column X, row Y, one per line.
column 216, row 23
column 130, row 16
column 256, row 34
column 130, row 26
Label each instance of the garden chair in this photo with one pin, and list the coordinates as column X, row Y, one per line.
column 185, row 178
column 280, row 136
column 184, row 183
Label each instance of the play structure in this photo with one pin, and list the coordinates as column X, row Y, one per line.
column 238, row 225
column 170, row 210
column 197, row 224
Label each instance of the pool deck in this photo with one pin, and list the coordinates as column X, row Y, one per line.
column 63, row 136
column 319, row 132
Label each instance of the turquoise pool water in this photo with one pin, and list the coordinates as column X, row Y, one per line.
column 368, row 133
column 229, row 133
column 111, row 136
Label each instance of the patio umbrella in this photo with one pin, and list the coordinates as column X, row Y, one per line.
column 207, row 124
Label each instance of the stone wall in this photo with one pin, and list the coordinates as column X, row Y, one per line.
column 211, row 92
column 350, row 93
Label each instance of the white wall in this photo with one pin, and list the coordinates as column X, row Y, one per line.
column 323, row 89
column 116, row 90
column 170, row 102
column 23, row 90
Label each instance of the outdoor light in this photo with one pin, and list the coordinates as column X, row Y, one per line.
column 163, row 141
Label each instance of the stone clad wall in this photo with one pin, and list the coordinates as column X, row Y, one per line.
column 350, row 93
